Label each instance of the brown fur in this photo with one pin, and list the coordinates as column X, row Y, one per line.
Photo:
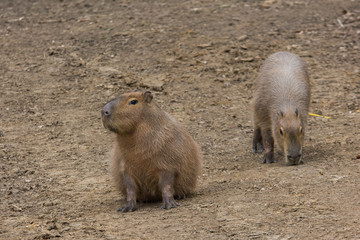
column 281, row 104
column 154, row 156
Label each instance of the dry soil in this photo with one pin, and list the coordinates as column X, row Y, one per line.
column 61, row 61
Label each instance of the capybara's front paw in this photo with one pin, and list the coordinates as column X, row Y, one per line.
column 130, row 206
column 265, row 160
column 169, row 202
column 269, row 158
column 258, row 147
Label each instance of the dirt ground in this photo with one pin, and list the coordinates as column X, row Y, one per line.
column 61, row 61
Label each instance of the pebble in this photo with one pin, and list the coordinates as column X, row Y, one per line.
column 242, row 38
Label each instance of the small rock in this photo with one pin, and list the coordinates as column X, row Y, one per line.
column 129, row 81
column 121, row 34
column 170, row 59
column 155, row 83
column 242, row 38
column 267, row 3
column 48, row 204
column 305, row 54
column 195, row 10
column 16, row 208
column 110, row 72
column 52, row 227
column 206, row 45
column 248, row 59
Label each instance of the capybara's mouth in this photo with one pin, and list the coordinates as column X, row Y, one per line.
column 105, row 122
column 109, row 127
column 294, row 162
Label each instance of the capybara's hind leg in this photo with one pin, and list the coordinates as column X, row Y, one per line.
column 257, row 141
column 166, row 182
column 268, row 142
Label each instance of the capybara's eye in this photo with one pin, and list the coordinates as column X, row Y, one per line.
column 133, row 102
column 300, row 130
column 281, row 132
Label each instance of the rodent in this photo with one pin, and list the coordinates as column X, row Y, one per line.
column 154, row 156
column 281, row 104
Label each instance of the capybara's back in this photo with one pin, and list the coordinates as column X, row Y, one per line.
column 281, row 104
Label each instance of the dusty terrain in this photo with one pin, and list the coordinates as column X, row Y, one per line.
column 61, row 61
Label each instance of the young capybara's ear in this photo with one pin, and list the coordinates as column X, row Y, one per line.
column 281, row 114
column 147, row 96
column 297, row 112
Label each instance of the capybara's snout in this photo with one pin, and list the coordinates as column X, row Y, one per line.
column 294, row 159
column 107, row 110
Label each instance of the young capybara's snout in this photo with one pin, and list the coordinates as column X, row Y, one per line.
column 294, row 158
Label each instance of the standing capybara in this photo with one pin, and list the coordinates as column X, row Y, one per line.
column 154, row 156
column 281, row 104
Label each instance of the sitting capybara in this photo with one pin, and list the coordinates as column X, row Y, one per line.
column 154, row 156
column 281, row 104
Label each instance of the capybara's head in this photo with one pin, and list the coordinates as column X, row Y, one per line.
column 122, row 114
column 289, row 135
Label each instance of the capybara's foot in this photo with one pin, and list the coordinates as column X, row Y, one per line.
column 257, row 141
column 169, row 202
column 258, row 147
column 266, row 160
column 130, row 206
column 269, row 158
column 179, row 197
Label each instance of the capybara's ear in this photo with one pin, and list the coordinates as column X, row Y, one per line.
column 147, row 96
column 281, row 114
column 297, row 112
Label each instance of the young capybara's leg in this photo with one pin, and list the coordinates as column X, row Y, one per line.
column 130, row 205
column 257, row 141
column 166, row 182
column 268, row 142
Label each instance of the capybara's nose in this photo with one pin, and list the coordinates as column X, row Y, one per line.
column 106, row 111
column 294, row 159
